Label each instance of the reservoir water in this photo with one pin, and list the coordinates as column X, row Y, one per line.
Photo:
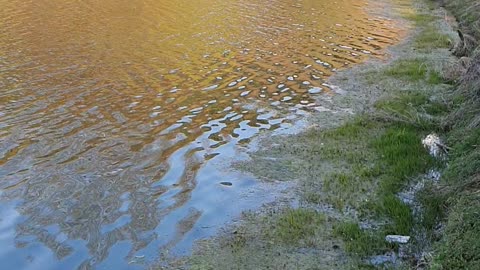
column 118, row 119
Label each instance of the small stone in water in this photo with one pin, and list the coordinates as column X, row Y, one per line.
column 226, row 183
column 315, row 90
column 244, row 93
column 305, row 82
column 275, row 103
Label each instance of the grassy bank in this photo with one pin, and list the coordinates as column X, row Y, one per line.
column 370, row 176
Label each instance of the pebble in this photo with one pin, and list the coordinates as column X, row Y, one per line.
column 245, row 93
column 315, row 90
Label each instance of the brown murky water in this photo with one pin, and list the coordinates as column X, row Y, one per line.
column 116, row 116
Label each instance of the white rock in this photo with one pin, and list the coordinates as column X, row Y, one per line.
column 401, row 239
column 433, row 143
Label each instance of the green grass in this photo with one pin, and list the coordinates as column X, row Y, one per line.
column 430, row 38
column 359, row 241
column 402, row 156
column 413, row 107
column 420, row 19
column 399, row 213
column 460, row 245
column 465, row 155
column 413, row 70
column 297, row 225
column 434, row 205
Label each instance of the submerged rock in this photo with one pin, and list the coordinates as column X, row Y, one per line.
column 315, row 90
column 226, row 183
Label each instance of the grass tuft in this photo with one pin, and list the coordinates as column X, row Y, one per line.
column 359, row 241
column 296, row 225
column 430, row 38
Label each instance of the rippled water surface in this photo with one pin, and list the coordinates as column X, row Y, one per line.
column 117, row 116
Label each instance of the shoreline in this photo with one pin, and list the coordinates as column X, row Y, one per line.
column 361, row 178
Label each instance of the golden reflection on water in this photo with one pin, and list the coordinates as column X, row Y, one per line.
column 98, row 95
